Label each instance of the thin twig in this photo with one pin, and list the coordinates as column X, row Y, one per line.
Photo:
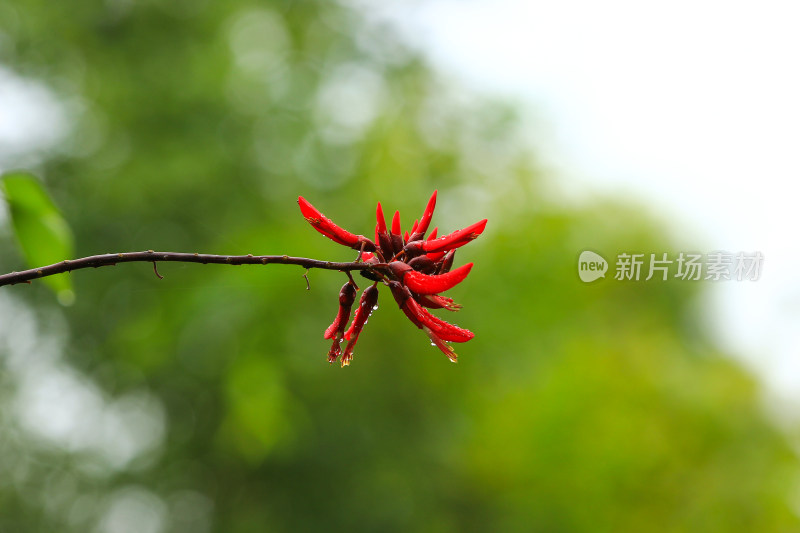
column 150, row 256
column 349, row 275
column 308, row 285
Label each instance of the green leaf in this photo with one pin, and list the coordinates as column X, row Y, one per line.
column 43, row 234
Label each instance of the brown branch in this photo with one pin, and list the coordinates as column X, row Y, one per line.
column 150, row 256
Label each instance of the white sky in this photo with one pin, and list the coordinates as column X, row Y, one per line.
column 31, row 119
column 692, row 107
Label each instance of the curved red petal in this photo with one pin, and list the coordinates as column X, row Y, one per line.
column 425, row 221
column 443, row 346
column 425, row 284
column 435, row 301
column 445, row 330
column 396, row 223
column 381, row 219
column 421, row 318
column 324, row 225
column 455, row 239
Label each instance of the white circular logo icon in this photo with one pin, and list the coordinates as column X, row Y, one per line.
column 591, row 266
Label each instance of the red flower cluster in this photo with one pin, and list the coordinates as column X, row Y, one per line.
column 416, row 270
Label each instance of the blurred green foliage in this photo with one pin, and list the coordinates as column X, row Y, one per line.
column 577, row 408
column 42, row 233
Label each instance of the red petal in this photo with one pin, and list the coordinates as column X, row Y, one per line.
column 445, row 330
column 435, row 301
column 443, row 346
column 314, row 217
column 341, row 318
column 401, row 295
column 424, row 284
column 381, row 219
column 347, row 296
column 335, row 351
column 425, row 221
column 369, row 298
column 396, row 223
column 455, row 239
column 422, row 318
column 325, row 226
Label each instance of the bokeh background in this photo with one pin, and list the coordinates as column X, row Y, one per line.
column 203, row 402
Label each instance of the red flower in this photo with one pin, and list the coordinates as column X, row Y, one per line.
column 414, row 268
column 336, row 330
